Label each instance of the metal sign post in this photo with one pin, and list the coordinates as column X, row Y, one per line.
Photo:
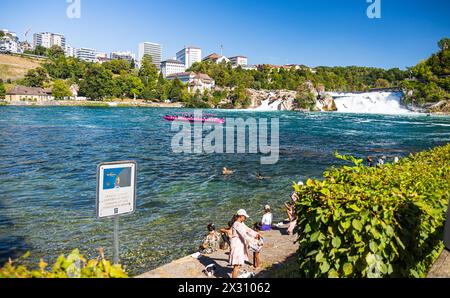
column 116, row 240
column 116, row 194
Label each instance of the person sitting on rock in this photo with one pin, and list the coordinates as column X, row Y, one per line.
column 211, row 243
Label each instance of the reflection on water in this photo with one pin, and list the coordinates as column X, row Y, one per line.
column 48, row 159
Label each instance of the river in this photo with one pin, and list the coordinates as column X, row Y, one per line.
column 48, row 159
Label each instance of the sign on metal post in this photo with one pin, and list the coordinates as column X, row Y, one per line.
column 447, row 230
column 116, row 194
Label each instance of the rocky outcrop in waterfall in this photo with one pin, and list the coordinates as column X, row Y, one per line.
column 328, row 104
column 279, row 100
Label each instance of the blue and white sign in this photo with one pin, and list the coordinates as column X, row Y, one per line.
column 116, row 189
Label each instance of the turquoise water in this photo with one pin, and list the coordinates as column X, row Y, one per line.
column 48, row 159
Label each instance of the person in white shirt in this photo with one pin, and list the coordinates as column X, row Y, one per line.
column 266, row 222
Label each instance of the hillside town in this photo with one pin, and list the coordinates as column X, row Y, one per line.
column 176, row 67
column 10, row 43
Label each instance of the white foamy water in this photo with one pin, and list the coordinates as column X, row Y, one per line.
column 370, row 103
column 270, row 105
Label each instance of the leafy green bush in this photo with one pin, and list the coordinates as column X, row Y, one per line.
column 374, row 222
column 74, row 266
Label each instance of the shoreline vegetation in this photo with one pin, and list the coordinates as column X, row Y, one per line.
column 355, row 222
column 386, row 221
column 425, row 86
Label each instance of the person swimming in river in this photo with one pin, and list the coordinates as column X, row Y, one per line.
column 259, row 176
column 227, row 172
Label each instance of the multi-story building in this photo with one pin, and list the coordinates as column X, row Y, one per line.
column 86, row 54
column 48, row 39
column 9, row 42
column 101, row 57
column 190, row 55
column 216, row 58
column 171, row 66
column 69, row 51
column 152, row 49
column 24, row 46
column 195, row 81
column 129, row 56
column 239, row 61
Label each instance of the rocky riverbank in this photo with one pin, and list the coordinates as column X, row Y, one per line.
column 279, row 248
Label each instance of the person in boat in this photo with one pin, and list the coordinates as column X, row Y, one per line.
column 211, row 242
column 370, row 161
column 266, row 221
column 242, row 237
column 396, row 159
column 227, row 172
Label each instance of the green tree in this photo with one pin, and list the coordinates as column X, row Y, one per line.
column 98, row 83
column 117, row 66
column 382, row 83
column 61, row 90
column 54, row 52
column 2, row 89
column 176, row 90
column 40, row 51
column 128, row 86
column 148, row 73
column 36, row 77
column 444, row 44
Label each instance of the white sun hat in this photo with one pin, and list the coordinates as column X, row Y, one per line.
column 242, row 212
column 267, row 207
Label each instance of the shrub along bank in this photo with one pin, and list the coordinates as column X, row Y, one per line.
column 374, row 222
column 74, row 266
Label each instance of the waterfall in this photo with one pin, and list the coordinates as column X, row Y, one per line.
column 370, row 103
column 270, row 104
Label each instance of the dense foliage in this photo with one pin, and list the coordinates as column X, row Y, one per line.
column 351, row 78
column 430, row 79
column 74, row 266
column 2, row 89
column 374, row 222
column 61, row 90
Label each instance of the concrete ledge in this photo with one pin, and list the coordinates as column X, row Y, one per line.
column 441, row 268
column 278, row 248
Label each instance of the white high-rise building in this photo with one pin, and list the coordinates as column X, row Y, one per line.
column 86, row 54
column 239, row 61
column 70, row 51
column 171, row 66
column 9, row 42
column 190, row 55
column 48, row 39
column 152, row 49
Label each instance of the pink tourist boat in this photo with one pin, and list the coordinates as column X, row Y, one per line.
column 192, row 118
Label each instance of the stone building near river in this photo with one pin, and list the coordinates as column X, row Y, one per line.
column 22, row 93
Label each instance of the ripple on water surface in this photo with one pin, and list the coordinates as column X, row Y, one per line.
column 48, row 159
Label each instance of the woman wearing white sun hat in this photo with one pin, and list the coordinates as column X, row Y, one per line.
column 242, row 236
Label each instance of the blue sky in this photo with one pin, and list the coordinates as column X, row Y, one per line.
column 311, row 32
